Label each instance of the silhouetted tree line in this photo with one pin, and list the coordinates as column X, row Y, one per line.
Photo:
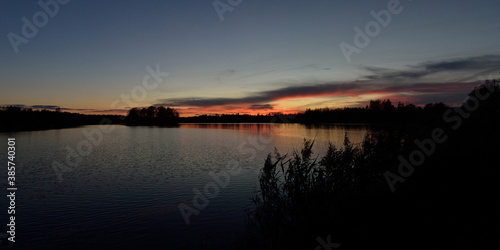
column 20, row 119
column 444, row 197
column 152, row 115
column 378, row 111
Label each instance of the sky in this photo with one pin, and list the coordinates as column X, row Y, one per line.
column 242, row 56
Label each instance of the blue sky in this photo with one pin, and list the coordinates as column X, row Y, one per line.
column 263, row 54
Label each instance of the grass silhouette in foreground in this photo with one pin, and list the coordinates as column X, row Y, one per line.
column 304, row 197
column 447, row 201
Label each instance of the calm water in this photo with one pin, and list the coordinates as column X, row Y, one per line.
column 125, row 189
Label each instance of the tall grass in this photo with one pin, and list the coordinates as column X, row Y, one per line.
column 303, row 196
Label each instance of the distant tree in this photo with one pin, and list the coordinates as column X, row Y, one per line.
column 151, row 112
column 143, row 113
column 376, row 105
column 133, row 116
column 387, row 105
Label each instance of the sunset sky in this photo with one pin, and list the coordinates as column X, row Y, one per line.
column 256, row 57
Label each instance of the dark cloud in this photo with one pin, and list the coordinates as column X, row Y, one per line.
column 49, row 107
column 326, row 89
column 15, row 105
column 52, row 107
column 225, row 73
column 395, row 75
column 483, row 63
column 167, row 104
column 471, row 63
column 106, row 111
column 260, row 106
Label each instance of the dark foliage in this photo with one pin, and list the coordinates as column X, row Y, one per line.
column 159, row 116
column 18, row 119
column 378, row 112
column 448, row 200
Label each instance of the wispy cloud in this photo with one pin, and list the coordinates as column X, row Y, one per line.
column 482, row 64
column 54, row 107
column 261, row 107
column 49, row 107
